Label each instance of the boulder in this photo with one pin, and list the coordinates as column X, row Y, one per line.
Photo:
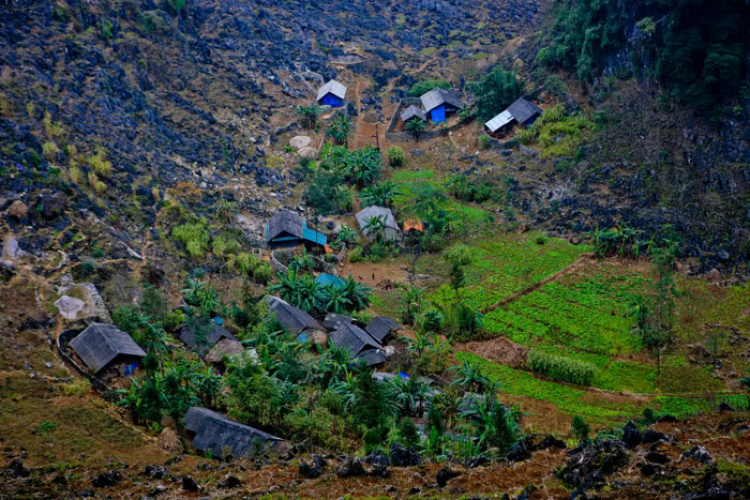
column 16, row 469
column 404, row 457
column 352, row 467
column 106, row 479
column 229, row 482
column 69, row 307
column 18, row 210
column 652, row 436
column 551, row 442
column 170, row 442
column 189, row 484
column 308, row 152
column 657, row 458
column 586, row 467
column 444, row 475
column 631, row 436
column 300, row 141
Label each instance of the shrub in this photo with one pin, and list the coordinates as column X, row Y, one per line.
column 317, row 426
column 176, row 6
column 99, row 163
column 484, row 141
column 580, row 428
column 408, row 433
column 356, row 255
column 396, row 157
column 195, row 237
column 50, row 150
column 561, row 368
column 262, row 273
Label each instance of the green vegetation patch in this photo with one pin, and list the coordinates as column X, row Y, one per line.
column 507, row 264
column 412, row 175
column 567, row 399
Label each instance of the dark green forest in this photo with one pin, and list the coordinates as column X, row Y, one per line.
column 697, row 49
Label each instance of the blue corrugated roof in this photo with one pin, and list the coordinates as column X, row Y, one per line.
column 314, row 236
column 329, row 279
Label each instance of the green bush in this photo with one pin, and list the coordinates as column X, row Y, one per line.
column 356, row 255
column 484, row 141
column 396, row 157
column 580, row 428
column 262, row 273
column 195, row 237
column 561, row 368
column 495, row 91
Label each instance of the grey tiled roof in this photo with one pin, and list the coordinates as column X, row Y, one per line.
column 436, row 97
column 353, row 338
column 285, row 221
column 213, row 333
column 293, row 319
column 522, row 110
column 381, row 327
column 99, row 344
column 217, row 433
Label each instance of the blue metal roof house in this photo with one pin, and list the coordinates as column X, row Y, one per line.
column 438, row 103
column 332, row 94
column 287, row 229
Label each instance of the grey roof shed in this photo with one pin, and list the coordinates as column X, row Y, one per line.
column 437, row 97
column 523, row 110
column 332, row 87
column 412, row 112
column 285, row 221
column 215, row 432
column 293, row 319
column 213, row 333
column 391, row 228
column 354, row 339
column 100, row 344
column 379, row 328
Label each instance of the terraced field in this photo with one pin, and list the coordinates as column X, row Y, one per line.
column 540, row 294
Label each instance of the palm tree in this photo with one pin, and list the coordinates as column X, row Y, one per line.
column 381, row 194
column 299, row 290
column 470, row 376
column 415, row 127
column 309, row 115
column 419, row 344
column 341, row 128
column 357, row 293
column 375, row 228
column 335, row 299
column 413, row 299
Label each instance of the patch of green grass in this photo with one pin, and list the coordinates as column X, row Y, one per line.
column 412, row 175
column 505, row 264
column 428, row 51
column 683, row 407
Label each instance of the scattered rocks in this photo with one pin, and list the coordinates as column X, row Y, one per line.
column 652, row 436
column 106, row 479
column 352, row 467
column 313, row 468
column 519, row 452
column 587, row 466
column 404, row 457
column 155, row 472
column 444, row 475
column 16, row 469
column 551, row 442
column 475, row 462
column 699, row 453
